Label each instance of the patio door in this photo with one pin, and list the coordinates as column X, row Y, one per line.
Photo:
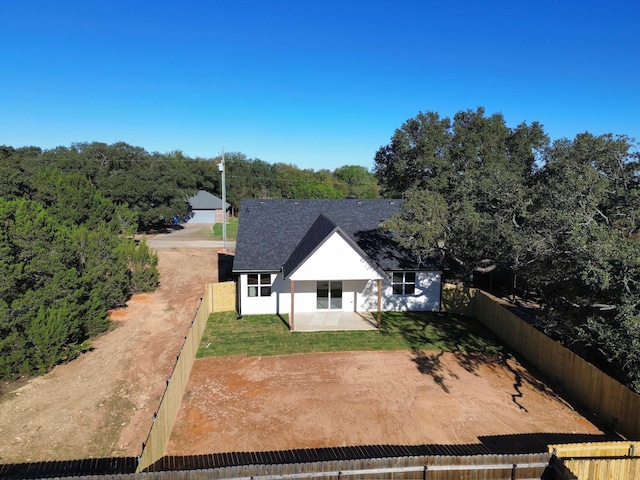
column 329, row 295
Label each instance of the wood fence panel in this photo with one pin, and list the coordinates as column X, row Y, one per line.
column 598, row 392
column 167, row 412
column 223, row 297
column 457, row 300
column 604, row 468
column 596, row 449
column 439, row 467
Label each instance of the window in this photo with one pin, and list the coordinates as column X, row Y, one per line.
column 404, row 283
column 259, row 284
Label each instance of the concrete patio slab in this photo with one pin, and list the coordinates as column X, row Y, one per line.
column 320, row 321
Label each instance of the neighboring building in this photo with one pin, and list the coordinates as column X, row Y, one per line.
column 327, row 255
column 206, row 208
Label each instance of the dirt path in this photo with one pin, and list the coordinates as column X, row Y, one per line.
column 101, row 404
column 370, row 398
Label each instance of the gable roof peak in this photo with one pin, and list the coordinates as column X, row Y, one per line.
column 319, row 231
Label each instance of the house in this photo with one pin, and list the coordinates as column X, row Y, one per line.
column 206, row 208
column 327, row 255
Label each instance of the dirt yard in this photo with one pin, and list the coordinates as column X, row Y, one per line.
column 101, row 404
column 348, row 399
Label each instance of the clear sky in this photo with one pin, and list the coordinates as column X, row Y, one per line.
column 317, row 84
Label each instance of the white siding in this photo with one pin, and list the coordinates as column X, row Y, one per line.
column 255, row 305
column 425, row 298
column 335, row 259
column 357, row 295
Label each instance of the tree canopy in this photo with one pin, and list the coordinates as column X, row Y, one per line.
column 561, row 218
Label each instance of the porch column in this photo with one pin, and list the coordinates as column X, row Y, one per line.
column 291, row 311
column 379, row 301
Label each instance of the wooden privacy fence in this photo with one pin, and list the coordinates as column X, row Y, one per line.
column 476, row 467
column 610, row 400
column 222, row 296
column 600, row 461
column 217, row 297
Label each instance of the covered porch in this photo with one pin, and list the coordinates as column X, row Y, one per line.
column 332, row 320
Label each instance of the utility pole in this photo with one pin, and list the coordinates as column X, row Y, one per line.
column 224, row 204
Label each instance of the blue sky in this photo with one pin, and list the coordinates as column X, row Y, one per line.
column 316, row 84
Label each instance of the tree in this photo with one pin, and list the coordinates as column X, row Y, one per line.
column 562, row 218
column 583, row 256
column 154, row 187
column 422, row 225
column 418, row 156
column 356, row 181
column 481, row 170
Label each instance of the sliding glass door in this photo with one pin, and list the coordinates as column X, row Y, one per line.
column 329, row 295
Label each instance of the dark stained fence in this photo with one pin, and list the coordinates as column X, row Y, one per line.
column 475, row 467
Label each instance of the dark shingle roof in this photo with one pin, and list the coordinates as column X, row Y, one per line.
column 206, row 201
column 275, row 233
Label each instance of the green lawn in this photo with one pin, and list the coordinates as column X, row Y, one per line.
column 267, row 335
column 232, row 229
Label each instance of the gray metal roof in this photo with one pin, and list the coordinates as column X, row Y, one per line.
column 206, row 201
column 272, row 233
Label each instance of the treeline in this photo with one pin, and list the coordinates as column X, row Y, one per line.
column 155, row 186
column 558, row 221
column 67, row 222
column 249, row 178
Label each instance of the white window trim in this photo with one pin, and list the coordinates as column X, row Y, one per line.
column 404, row 283
column 260, row 285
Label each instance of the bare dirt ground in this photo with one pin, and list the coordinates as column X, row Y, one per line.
column 101, row 404
column 371, row 398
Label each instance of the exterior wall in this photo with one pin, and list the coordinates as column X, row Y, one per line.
column 220, row 215
column 357, row 295
column 280, row 300
column 255, row 305
column 425, row 299
column 335, row 259
column 207, row 216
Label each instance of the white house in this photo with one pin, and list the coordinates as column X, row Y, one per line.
column 327, row 255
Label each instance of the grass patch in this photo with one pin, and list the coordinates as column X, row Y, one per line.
column 232, row 229
column 268, row 335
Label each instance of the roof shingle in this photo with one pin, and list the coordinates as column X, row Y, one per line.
column 275, row 232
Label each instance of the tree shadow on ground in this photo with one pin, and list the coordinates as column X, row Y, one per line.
column 430, row 363
column 430, row 334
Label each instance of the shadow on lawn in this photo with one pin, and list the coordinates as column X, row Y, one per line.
column 430, row 335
